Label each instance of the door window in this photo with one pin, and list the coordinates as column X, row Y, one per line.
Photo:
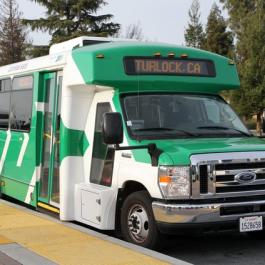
column 103, row 155
column 47, row 137
column 56, row 167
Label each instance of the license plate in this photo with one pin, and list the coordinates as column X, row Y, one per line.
column 251, row 223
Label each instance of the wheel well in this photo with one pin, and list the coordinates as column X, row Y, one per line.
column 128, row 188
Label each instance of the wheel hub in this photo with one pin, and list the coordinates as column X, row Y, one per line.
column 135, row 223
column 138, row 223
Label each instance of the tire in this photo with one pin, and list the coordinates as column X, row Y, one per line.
column 137, row 220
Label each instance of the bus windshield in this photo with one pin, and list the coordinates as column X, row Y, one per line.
column 153, row 116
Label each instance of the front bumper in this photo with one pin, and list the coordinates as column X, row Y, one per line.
column 200, row 214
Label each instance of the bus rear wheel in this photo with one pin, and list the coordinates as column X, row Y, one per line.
column 137, row 221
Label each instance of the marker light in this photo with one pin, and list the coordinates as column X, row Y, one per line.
column 100, row 56
column 231, row 62
column 184, row 56
column 171, row 55
column 174, row 182
column 157, row 54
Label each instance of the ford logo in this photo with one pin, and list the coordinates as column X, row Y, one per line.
column 245, row 177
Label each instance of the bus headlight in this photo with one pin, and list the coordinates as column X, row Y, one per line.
column 174, row 182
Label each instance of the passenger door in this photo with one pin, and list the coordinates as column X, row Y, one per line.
column 49, row 179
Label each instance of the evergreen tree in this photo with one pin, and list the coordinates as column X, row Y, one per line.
column 247, row 19
column 67, row 19
column 239, row 13
column 218, row 39
column 34, row 51
column 12, row 33
column 194, row 34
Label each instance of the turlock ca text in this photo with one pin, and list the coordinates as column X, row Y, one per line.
column 170, row 67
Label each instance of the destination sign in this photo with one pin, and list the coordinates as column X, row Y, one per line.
column 165, row 66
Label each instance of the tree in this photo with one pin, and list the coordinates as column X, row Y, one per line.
column 218, row 39
column 247, row 19
column 67, row 19
column 239, row 12
column 194, row 34
column 34, row 51
column 12, row 33
column 134, row 31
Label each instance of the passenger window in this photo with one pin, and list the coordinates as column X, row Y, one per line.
column 21, row 103
column 5, row 86
column 103, row 155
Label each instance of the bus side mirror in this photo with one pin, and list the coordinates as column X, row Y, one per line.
column 112, row 128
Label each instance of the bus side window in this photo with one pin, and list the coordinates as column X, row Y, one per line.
column 21, row 103
column 5, row 91
column 103, row 155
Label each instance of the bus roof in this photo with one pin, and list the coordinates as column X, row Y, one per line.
column 106, row 64
column 56, row 58
column 111, row 62
column 44, row 63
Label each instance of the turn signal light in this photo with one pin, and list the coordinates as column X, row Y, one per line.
column 164, row 179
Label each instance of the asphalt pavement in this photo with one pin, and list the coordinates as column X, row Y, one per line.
column 217, row 248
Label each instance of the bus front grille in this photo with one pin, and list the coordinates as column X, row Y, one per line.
column 221, row 178
column 226, row 181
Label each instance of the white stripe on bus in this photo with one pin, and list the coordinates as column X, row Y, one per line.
column 3, row 157
column 32, row 185
column 23, row 149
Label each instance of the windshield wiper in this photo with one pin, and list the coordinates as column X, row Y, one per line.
column 164, row 129
column 224, row 128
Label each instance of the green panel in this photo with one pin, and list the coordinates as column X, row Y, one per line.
column 73, row 142
column 110, row 71
column 12, row 186
column 2, row 141
column 39, row 117
column 180, row 150
column 18, row 178
column 25, row 172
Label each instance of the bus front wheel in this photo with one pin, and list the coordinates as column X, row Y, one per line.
column 137, row 220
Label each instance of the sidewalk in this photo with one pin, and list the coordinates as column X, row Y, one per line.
column 28, row 237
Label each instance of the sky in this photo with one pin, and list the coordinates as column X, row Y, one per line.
column 160, row 20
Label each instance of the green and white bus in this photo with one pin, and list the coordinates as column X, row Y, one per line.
column 132, row 136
